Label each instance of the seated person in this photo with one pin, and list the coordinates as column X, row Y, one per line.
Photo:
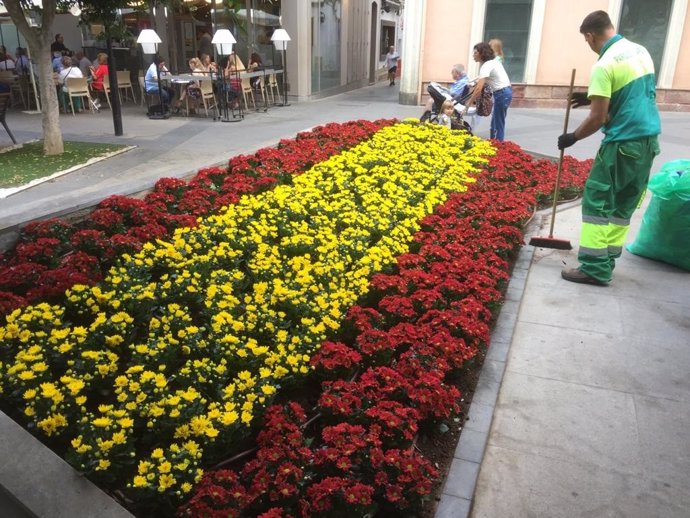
column 3, row 50
column 207, row 65
column 69, row 69
column 445, row 118
column 232, row 67
column 193, row 89
column 151, row 80
column 98, row 74
column 458, row 89
column 83, row 63
column 22, row 64
column 6, row 61
column 57, row 62
column 255, row 63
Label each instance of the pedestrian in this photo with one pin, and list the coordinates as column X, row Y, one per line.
column 392, row 64
column 497, row 46
column 491, row 72
column 622, row 100
column 59, row 45
column 205, row 43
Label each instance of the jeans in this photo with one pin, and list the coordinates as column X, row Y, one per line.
column 165, row 94
column 502, row 99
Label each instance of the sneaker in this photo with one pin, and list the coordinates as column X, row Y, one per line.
column 97, row 104
column 576, row 275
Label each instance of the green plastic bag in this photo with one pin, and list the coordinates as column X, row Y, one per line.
column 665, row 230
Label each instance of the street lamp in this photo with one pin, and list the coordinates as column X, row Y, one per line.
column 280, row 38
column 223, row 40
column 149, row 40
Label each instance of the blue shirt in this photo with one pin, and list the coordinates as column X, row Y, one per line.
column 151, row 78
column 457, row 89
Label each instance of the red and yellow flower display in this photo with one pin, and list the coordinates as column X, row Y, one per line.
column 373, row 274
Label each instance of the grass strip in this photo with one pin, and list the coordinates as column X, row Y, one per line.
column 27, row 163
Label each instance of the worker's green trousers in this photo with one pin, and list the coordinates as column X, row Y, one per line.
column 614, row 189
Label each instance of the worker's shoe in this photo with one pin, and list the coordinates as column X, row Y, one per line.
column 576, row 275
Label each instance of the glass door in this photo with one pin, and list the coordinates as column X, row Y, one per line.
column 325, row 41
column 509, row 21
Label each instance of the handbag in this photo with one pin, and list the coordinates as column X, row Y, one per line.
column 485, row 101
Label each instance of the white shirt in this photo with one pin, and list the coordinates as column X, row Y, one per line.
column 68, row 72
column 495, row 74
column 392, row 59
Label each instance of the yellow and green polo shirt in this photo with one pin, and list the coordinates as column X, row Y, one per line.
column 624, row 73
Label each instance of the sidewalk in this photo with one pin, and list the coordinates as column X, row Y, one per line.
column 583, row 406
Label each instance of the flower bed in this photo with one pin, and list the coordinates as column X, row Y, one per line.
column 53, row 255
column 385, row 377
column 169, row 364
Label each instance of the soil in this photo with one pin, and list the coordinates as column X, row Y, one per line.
column 440, row 447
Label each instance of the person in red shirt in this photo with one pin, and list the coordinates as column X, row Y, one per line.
column 99, row 72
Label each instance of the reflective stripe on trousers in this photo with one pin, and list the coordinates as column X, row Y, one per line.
column 613, row 191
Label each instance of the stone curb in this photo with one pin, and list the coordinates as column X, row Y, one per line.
column 459, row 486
column 46, row 485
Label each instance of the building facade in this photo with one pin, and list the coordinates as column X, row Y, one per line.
column 542, row 43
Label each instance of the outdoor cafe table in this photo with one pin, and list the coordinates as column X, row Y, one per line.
column 185, row 79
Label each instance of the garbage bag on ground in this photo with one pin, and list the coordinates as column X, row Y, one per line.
column 665, row 230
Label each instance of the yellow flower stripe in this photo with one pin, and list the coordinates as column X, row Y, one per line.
column 193, row 337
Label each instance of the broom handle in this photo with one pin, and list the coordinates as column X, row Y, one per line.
column 560, row 158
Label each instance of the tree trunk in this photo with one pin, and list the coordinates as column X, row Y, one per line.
column 52, row 134
column 39, row 40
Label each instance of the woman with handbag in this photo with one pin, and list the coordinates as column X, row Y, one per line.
column 492, row 73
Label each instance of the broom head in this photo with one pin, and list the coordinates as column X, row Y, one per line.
column 551, row 242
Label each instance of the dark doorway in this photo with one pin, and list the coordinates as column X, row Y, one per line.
column 373, row 56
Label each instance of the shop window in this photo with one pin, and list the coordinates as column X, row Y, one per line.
column 387, row 37
column 509, row 21
column 646, row 23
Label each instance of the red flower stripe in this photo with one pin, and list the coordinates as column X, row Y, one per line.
column 421, row 323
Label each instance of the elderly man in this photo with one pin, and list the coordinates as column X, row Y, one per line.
column 457, row 89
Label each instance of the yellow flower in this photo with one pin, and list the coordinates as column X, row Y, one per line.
column 165, row 482
column 102, row 422
column 157, row 453
column 139, row 481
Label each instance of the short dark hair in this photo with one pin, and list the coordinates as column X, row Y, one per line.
column 486, row 53
column 597, row 23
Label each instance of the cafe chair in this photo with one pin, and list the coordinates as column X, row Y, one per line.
column 207, row 96
column 260, row 87
column 272, row 87
column 4, row 104
column 247, row 91
column 106, row 91
column 8, row 77
column 123, row 83
column 78, row 87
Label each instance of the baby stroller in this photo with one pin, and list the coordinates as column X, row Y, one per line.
column 440, row 94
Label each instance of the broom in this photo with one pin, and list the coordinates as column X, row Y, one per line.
column 552, row 242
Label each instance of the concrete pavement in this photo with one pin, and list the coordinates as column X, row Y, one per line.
column 583, row 405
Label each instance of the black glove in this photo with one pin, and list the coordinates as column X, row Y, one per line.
column 566, row 140
column 579, row 99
